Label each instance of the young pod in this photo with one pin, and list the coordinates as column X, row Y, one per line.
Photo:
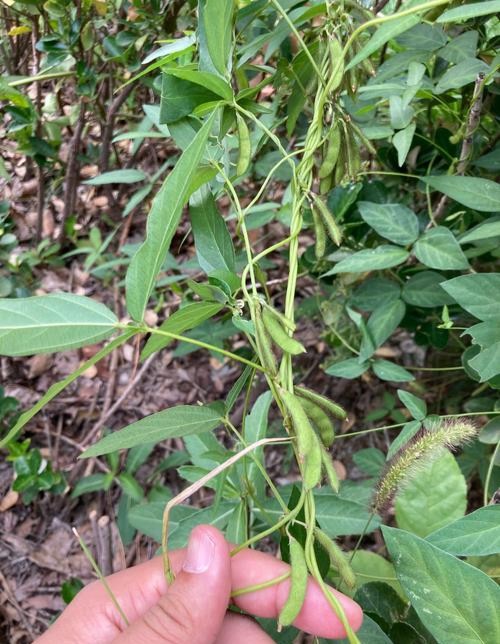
column 341, row 167
column 285, row 321
column 337, row 558
column 304, row 431
column 319, row 234
column 330, row 472
column 332, row 152
column 332, row 228
column 279, row 335
column 325, row 185
column 321, row 421
column 264, row 345
column 244, row 146
column 353, row 155
column 328, row 405
column 336, row 64
column 313, row 464
column 298, row 585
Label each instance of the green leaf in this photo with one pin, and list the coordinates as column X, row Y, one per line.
column 218, row 23
column 487, row 362
column 369, row 633
column 381, row 324
column 255, row 429
column 490, row 434
column 117, row 176
column 474, row 192
column 237, row 528
column 369, row 566
column 485, row 333
column 214, row 247
column 92, row 483
column 471, row 10
column 386, row 370
column 209, row 81
column 370, row 259
column 130, row 486
column 402, row 142
column 395, row 222
column 369, row 460
column 189, row 317
column 180, row 97
column 438, row 248
column 435, row 497
column 455, row 601
column 374, row 292
column 162, row 224
column 382, row 600
column 489, row 161
column 476, row 534
column 350, row 368
column 406, row 434
column 49, row 323
column 177, row 45
column 461, row 74
column 174, row 422
column 460, row 48
column 479, row 294
column 386, row 32
column 424, row 289
column 416, row 406
column 485, row 230
column 338, row 516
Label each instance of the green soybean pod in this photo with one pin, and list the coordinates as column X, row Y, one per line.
column 332, row 228
column 313, row 464
column 264, row 344
column 337, row 558
column 298, row 585
column 325, row 185
column 337, row 64
column 330, row 473
column 285, row 321
column 279, row 335
column 341, row 168
column 321, row 420
column 332, row 152
column 328, row 405
column 245, row 146
column 301, row 423
column 319, row 234
column 354, row 157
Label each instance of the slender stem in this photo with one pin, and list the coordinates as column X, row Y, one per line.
column 435, row 368
column 265, row 584
column 293, row 28
column 101, row 577
column 489, row 473
column 361, row 536
column 198, row 343
column 40, row 77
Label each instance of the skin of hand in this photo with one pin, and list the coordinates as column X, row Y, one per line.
column 193, row 610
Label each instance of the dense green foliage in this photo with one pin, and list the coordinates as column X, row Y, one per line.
column 363, row 147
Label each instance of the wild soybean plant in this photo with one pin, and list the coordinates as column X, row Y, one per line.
column 328, row 156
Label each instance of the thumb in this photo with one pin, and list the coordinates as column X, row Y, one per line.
column 193, row 609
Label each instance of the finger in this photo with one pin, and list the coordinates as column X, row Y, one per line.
column 139, row 588
column 250, row 567
column 193, row 609
column 238, row 628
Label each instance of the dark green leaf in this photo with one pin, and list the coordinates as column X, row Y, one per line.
column 49, row 323
column 162, row 223
column 370, row 259
column 218, row 23
column 387, row 370
column 424, row 289
column 214, row 247
column 350, row 368
column 461, row 74
column 382, row 600
column 474, row 192
column 438, row 248
column 476, row 534
column 479, row 294
column 449, row 596
column 407, row 433
column 174, row 422
column 395, row 222
column 470, row 10
column 416, row 406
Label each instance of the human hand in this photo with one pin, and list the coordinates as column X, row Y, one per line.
column 193, row 610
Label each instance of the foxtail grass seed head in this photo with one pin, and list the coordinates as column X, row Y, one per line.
column 424, row 447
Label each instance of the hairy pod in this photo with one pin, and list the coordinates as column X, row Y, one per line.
column 319, row 234
column 313, row 464
column 285, row 321
column 304, row 431
column 341, row 167
column 325, row 185
column 332, row 228
column 332, row 152
column 264, row 345
column 298, row 585
column 337, row 64
column 273, row 326
column 244, row 146
column 328, row 405
column 337, row 557
column 329, row 469
column 353, row 155
column 321, row 421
